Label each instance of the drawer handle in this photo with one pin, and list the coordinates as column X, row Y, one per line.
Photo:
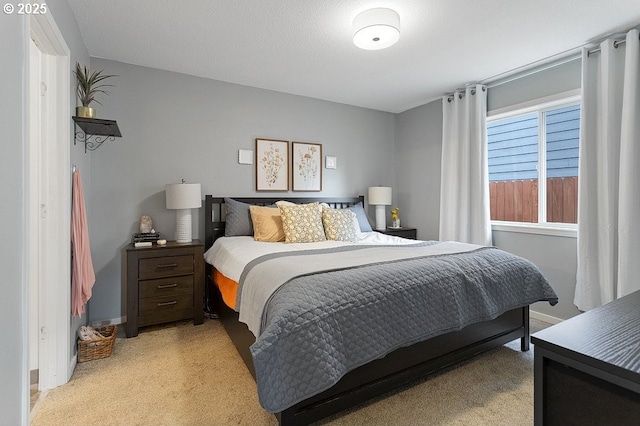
column 168, row 265
column 168, row 285
column 168, row 303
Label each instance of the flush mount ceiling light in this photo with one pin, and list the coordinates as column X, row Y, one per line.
column 376, row 29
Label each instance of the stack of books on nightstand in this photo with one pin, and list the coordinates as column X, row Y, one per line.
column 143, row 237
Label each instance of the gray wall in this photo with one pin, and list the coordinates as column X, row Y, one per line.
column 545, row 83
column 419, row 148
column 13, row 308
column 419, row 144
column 177, row 126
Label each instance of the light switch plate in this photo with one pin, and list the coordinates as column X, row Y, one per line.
column 245, row 156
column 331, row 162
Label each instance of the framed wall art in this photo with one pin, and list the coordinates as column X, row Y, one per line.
column 272, row 165
column 306, row 166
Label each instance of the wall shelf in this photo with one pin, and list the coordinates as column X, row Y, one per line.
column 94, row 131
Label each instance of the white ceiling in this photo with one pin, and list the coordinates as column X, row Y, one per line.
column 305, row 47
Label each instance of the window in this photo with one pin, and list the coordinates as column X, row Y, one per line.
column 522, row 190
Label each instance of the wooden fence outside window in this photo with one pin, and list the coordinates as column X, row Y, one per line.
column 517, row 200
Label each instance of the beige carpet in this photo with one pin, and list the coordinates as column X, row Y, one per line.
column 192, row 375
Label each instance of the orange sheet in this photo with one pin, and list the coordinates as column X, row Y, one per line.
column 228, row 288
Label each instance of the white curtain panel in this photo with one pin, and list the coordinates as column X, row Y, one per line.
column 464, row 191
column 609, row 174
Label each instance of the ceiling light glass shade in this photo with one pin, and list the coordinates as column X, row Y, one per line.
column 376, row 29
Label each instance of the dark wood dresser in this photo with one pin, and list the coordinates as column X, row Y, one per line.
column 163, row 284
column 587, row 368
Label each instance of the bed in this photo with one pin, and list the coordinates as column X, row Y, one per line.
column 323, row 383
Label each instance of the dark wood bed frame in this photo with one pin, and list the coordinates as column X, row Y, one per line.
column 398, row 368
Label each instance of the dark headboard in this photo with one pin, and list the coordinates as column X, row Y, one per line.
column 214, row 210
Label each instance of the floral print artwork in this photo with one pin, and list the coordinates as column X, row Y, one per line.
column 271, row 167
column 271, row 162
column 307, row 167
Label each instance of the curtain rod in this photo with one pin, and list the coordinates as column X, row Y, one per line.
column 615, row 45
column 460, row 95
column 565, row 57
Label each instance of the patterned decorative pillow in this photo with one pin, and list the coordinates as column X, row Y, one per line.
column 339, row 224
column 302, row 223
column 267, row 224
column 238, row 219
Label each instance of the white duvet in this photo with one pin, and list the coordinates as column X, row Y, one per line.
column 229, row 255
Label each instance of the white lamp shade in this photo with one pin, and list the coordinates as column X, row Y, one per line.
column 183, row 196
column 380, row 195
column 376, row 29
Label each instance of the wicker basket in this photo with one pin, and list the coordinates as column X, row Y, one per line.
column 88, row 350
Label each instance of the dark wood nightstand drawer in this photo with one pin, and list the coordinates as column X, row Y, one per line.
column 158, row 310
column 166, row 286
column 410, row 233
column 165, row 266
column 166, row 303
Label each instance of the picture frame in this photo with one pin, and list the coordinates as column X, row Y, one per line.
column 272, row 165
column 306, row 166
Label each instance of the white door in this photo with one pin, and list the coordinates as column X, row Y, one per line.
column 49, row 204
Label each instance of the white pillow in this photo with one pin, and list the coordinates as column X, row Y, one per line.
column 289, row 203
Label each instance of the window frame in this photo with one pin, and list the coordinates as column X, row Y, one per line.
column 541, row 106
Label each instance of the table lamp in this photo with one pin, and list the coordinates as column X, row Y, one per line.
column 380, row 196
column 182, row 197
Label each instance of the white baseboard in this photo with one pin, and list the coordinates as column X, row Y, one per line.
column 72, row 366
column 545, row 317
column 112, row 321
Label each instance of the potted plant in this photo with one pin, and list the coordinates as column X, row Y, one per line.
column 88, row 85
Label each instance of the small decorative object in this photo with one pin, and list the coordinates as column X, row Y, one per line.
column 88, row 85
column 146, row 224
column 395, row 219
column 380, row 196
column 272, row 159
column 306, row 166
column 162, row 242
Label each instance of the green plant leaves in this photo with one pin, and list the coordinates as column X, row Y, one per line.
column 89, row 84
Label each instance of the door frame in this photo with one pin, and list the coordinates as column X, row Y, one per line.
column 55, row 364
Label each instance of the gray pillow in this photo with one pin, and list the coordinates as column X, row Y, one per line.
column 238, row 219
column 363, row 221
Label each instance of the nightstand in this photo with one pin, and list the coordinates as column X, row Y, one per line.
column 410, row 233
column 163, row 283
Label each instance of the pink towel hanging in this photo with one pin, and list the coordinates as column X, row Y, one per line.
column 82, row 274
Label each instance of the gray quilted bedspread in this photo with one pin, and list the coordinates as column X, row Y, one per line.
column 318, row 327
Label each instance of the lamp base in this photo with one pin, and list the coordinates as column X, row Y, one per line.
column 183, row 226
column 381, row 222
